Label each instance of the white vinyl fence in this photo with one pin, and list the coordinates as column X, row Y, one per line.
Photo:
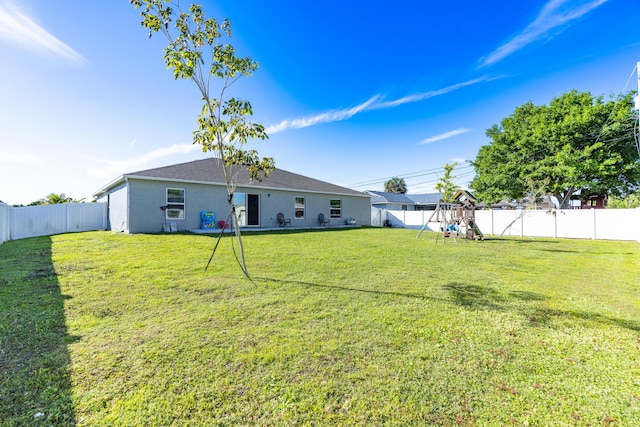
column 603, row 224
column 46, row 220
column 5, row 212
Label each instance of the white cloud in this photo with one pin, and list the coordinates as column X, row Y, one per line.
column 114, row 168
column 19, row 29
column 554, row 14
column 328, row 117
column 421, row 96
column 18, row 157
column 373, row 103
column 445, row 135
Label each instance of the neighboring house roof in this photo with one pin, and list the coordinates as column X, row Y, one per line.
column 207, row 171
column 504, row 205
column 426, row 199
column 381, row 197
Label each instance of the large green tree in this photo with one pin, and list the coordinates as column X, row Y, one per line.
column 395, row 185
column 628, row 202
column 577, row 142
column 199, row 51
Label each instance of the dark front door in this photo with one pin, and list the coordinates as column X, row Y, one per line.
column 253, row 210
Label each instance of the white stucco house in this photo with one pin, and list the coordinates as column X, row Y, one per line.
column 146, row 201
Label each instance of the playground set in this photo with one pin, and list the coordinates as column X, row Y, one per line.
column 456, row 218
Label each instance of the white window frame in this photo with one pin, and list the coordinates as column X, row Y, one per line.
column 176, row 210
column 333, row 211
column 298, row 207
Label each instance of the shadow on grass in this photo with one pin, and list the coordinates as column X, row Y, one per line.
column 215, row 233
column 561, row 251
column 345, row 288
column 520, row 240
column 474, row 296
column 35, row 386
column 527, row 304
column 484, row 298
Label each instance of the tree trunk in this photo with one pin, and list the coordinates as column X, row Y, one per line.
column 564, row 200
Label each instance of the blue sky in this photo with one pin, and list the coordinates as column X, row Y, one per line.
column 351, row 93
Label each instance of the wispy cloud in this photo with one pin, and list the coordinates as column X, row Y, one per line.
column 421, row 96
column 19, row 29
column 374, row 103
column 554, row 14
column 327, row 117
column 445, row 135
column 113, row 168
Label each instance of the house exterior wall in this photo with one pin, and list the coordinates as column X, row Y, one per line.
column 393, row 206
column 274, row 201
column 145, row 197
column 593, row 203
column 117, row 215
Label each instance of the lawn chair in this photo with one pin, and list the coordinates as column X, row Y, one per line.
column 282, row 221
column 321, row 219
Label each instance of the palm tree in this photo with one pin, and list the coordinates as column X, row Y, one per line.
column 55, row 199
column 395, row 185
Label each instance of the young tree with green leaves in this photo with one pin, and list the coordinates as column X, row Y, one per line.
column 198, row 50
column 445, row 186
column 395, row 185
column 577, row 142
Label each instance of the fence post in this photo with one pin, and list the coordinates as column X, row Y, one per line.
column 105, row 216
column 5, row 223
column 492, row 224
column 593, row 218
column 11, row 222
column 638, row 222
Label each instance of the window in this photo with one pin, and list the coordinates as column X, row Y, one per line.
column 335, row 208
column 175, row 203
column 299, row 208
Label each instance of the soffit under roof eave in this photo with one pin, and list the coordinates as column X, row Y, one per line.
column 258, row 187
column 102, row 191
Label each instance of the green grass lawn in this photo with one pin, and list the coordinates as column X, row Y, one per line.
column 344, row 327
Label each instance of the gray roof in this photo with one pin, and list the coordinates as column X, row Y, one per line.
column 411, row 199
column 426, row 199
column 208, row 171
column 382, row 197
